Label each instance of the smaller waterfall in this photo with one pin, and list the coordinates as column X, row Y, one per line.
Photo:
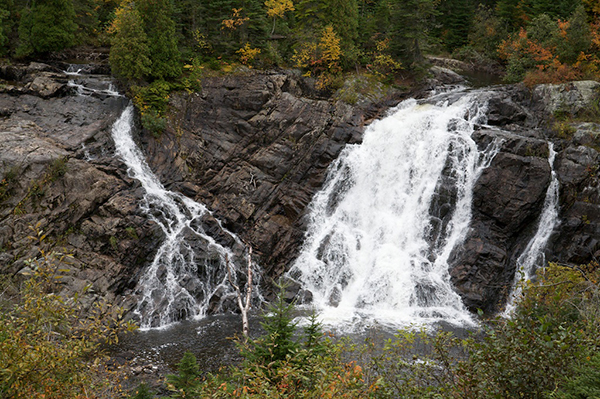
column 533, row 255
column 391, row 211
column 90, row 85
column 189, row 267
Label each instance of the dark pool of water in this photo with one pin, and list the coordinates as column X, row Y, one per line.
column 479, row 79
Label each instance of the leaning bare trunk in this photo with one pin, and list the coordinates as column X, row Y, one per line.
column 244, row 305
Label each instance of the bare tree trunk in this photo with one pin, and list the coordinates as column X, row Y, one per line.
column 243, row 303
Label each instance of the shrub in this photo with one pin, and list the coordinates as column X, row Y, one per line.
column 278, row 365
column 50, row 345
column 152, row 102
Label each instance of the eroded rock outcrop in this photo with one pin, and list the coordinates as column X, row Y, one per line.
column 57, row 168
column 255, row 148
column 509, row 195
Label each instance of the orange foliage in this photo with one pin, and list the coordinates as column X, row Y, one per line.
column 235, row 21
column 547, row 66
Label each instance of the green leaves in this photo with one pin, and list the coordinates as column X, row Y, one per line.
column 47, row 26
column 46, row 341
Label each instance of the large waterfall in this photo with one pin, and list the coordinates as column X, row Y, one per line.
column 392, row 209
column 189, row 268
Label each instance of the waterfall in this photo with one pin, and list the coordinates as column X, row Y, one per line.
column 533, row 255
column 189, row 267
column 381, row 230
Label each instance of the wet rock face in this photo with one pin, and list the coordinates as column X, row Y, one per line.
column 57, row 168
column 507, row 200
column 255, row 149
column 509, row 195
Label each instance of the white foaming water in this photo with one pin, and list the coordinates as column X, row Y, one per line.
column 84, row 90
column 373, row 250
column 533, row 255
column 180, row 282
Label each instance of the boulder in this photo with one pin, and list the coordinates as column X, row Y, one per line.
column 571, row 98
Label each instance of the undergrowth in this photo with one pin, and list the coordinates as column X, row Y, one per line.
column 548, row 349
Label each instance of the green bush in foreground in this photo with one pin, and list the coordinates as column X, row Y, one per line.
column 547, row 351
column 50, row 345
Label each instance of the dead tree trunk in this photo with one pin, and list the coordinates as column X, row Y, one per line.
column 243, row 303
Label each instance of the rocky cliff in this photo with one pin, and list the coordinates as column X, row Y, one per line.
column 254, row 148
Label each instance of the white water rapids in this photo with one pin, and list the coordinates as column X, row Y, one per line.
column 373, row 249
column 189, row 267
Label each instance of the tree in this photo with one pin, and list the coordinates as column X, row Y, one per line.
column 279, row 341
column 187, row 380
column 86, row 17
column 5, row 23
column 129, row 54
column 487, row 32
column 277, row 9
column 49, row 25
column 411, row 21
column 243, row 301
column 456, row 19
column 47, row 341
column 162, row 41
column 341, row 15
column 578, row 37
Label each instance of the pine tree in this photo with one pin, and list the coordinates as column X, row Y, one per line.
column 5, row 24
column 456, row 18
column 162, row 41
column 129, row 54
column 280, row 328
column 411, row 21
column 49, row 25
column 579, row 38
column 142, row 392
column 188, row 377
column 86, row 17
column 342, row 15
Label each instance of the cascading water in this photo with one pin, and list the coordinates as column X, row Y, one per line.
column 189, row 270
column 392, row 209
column 533, row 255
column 88, row 85
column 189, row 267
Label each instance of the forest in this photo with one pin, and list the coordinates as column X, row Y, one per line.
column 548, row 349
column 535, row 40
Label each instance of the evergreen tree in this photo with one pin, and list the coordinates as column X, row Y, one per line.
column 142, row 392
column 487, row 32
column 162, row 40
column 129, row 54
column 512, row 13
column 554, row 8
column 342, row 15
column 187, row 379
column 278, row 323
column 456, row 19
column 5, row 24
column 49, row 25
column 411, row 21
column 86, row 17
column 579, row 38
